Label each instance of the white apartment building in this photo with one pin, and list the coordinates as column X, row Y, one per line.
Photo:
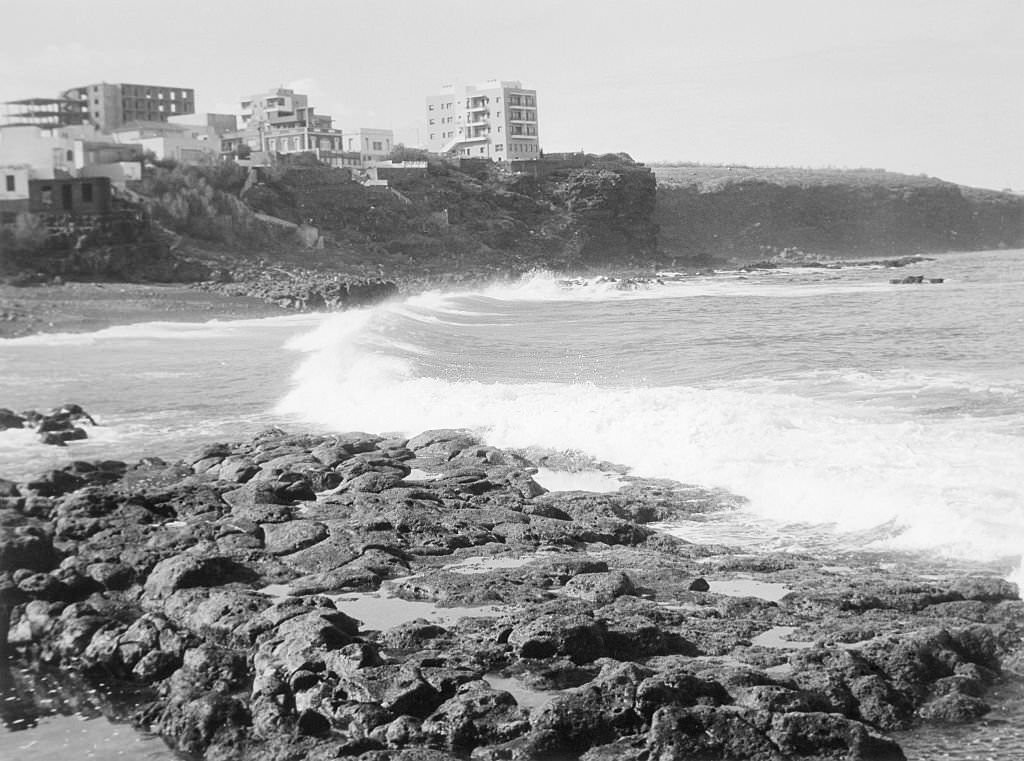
column 496, row 120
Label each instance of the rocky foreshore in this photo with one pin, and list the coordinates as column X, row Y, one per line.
column 57, row 427
column 354, row 595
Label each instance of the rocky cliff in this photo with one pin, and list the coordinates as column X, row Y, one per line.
column 738, row 212
column 475, row 216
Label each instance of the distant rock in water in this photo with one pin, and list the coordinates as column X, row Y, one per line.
column 58, row 426
column 915, row 279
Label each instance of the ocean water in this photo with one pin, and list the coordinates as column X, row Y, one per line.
column 849, row 412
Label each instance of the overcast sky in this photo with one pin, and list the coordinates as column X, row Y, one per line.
column 918, row 86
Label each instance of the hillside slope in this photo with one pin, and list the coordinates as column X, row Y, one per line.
column 732, row 212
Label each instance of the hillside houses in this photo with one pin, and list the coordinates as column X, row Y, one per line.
column 108, row 131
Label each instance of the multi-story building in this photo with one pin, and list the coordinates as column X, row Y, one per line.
column 108, row 106
column 282, row 121
column 496, row 120
column 371, row 144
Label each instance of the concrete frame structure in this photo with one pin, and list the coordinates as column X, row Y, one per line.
column 40, row 112
column 496, row 120
column 109, row 106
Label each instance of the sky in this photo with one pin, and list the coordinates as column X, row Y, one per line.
column 931, row 87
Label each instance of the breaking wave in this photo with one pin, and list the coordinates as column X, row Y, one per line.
column 805, row 450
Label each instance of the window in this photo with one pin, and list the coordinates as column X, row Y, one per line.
column 46, row 195
column 430, row 107
column 431, row 135
column 499, row 147
column 10, row 183
column 378, row 145
column 87, row 192
column 431, row 122
column 70, row 156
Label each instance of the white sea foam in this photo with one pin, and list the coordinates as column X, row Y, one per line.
column 943, row 484
column 161, row 330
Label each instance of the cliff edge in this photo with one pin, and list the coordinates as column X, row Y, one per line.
column 736, row 212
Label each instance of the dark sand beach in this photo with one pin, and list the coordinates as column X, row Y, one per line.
column 80, row 307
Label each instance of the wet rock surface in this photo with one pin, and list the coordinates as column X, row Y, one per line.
column 57, row 427
column 354, row 595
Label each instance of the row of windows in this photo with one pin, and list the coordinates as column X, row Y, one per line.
column 500, row 148
column 523, row 129
column 528, row 116
column 147, row 107
column 46, row 194
column 138, row 91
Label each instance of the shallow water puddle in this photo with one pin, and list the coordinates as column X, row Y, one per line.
column 999, row 736
column 776, row 637
column 382, row 612
column 764, row 590
column 418, row 474
column 526, row 697
column 379, row 611
column 584, row 480
column 474, row 565
column 58, row 738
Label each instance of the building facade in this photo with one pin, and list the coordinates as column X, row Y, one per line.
column 496, row 120
column 371, row 145
column 282, row 121
column 70, row 195
column 178, row 140
column 108, row 106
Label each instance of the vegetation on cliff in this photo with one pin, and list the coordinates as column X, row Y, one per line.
column 284, row 228
column 714, row 212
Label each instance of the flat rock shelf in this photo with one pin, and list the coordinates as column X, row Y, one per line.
column 355, row 595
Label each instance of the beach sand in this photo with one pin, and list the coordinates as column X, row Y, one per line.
column 81, row 307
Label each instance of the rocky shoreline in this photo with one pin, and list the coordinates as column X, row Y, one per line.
column 355, row 595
